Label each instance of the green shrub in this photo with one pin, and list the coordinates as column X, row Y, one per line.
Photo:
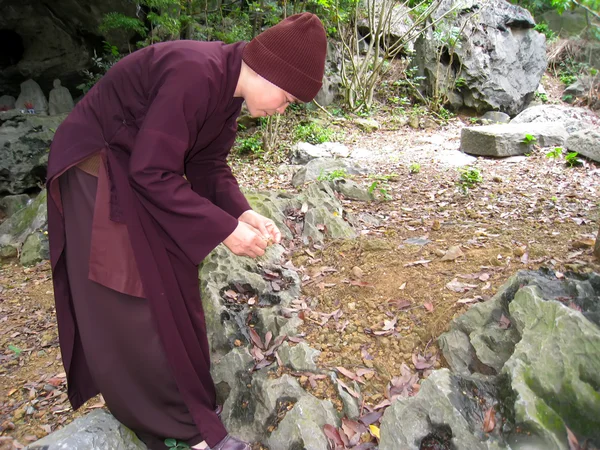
column 313, row 133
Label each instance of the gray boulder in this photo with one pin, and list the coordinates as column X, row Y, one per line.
column 585, row 142
column 13, row 203
column 15, row 230
column 351, row 190
column 573, row 119
column 299, row 357
column 446, row 412
column 537, row 337
column 497, row 62
column 35, row 249
column 303, row 152
column 254, row 402
column 24, row 143
column 97, row 430
column 321, row 167
column 509, row 139
column 398, row 18
column 492, row 117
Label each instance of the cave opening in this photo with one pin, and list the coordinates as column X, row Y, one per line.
column 11, row 48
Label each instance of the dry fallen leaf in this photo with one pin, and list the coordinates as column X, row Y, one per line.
column 573, row 441
column 428, row 306
column 453, row 253
column 489, row 421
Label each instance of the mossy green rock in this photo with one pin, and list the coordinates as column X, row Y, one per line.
column 555, row 369
column 15, row 230
column 13, row 203
column 35, row 249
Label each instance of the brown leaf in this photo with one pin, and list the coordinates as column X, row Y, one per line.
column 256, row 338
column 489, row 421
column 421, row 262
column 268, row 338
column 371, row 417
column 422, row 362
column 484, row 277
column 230, row 293
column 332, row 434
column 453, row 253
column 399, row 304
column 428, row 306
column 351, row 391
column 348, row 374
column 360, row 283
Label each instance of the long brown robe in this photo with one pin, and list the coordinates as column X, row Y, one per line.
column 159, row 114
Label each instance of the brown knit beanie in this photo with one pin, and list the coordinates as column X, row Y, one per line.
column 291, row 55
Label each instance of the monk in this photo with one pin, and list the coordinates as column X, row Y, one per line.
column 139, row 194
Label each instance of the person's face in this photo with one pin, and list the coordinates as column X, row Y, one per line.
column 266, row 99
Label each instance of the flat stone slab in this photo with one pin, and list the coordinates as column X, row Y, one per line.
column 585, row 142
column 509, row 139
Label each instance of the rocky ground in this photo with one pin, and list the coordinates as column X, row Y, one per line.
column 374, row 306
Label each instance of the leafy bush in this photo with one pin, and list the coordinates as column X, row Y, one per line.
column 252, row 145
column 469, row 177
column 313, row 133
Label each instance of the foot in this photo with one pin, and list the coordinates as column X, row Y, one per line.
column 231, row 443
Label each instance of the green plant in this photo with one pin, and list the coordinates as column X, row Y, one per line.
column 15, row 349
column 333, row 175
column 474, row 120
column 554, row 198
column 554, row 154
column 414, row 168
column 174, row 444
column 250, row 145
column 460, row 82
column 100, row 64
column 529, row 139
column 541, row 96
column 571, row 159
column 469, row 177
column 543, row 28
column 377, row 187
column 313, row 133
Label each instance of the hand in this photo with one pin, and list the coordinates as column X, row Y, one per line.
column 246, row 241
column 265, row 226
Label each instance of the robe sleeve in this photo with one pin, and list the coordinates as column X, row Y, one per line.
column 211, row 176
column 156, row 170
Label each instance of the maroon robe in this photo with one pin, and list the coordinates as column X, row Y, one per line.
column 160, row 113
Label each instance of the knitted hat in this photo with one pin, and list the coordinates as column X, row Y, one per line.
column 291, row 55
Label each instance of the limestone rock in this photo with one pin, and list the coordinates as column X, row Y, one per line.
column 35, row 249
column 585, row 142
column 31, row 94
column 303, row 152
column 367, row 124
column 444, row 410
column 300, row 357
column 508, row 139
column 15, row 230
column 499, row 58
column 492, row 117
column 13, row 203
column 24, row 143
column 555, row 369
column 321, row 167
column 573, row 119
column 97, row 430
column 351, row 190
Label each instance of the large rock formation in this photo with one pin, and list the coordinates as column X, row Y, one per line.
column 24, row 143
column 48, row 40
column 491, row 58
